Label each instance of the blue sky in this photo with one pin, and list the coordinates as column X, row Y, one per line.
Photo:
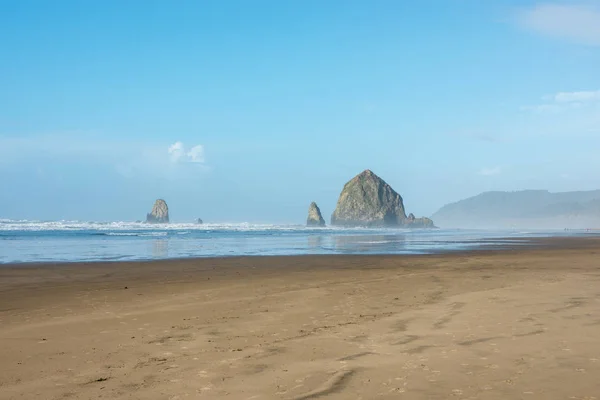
column 247, row 111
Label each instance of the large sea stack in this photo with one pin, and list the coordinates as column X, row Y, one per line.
column 159, row 214
column 315, row 219
column 367, row 200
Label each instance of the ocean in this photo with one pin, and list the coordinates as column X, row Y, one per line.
column 72, row 241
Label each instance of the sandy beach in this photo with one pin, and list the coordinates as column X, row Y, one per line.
column 521, row 323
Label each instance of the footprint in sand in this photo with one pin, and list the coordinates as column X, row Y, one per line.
column 333, row 385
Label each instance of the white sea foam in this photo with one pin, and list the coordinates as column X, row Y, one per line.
column 64, row 225
column 151, row 234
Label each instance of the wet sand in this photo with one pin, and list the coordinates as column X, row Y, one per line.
column 522, row 323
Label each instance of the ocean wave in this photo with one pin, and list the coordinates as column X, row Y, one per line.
column 376, row 242
column 137, row 234
column 117, row 226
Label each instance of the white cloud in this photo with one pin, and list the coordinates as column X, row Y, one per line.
column 196, row 154
column 542, row 108
column 563, row 101
column 178, row 153
column 568, row 97
column 490, row 171
column 579, row 23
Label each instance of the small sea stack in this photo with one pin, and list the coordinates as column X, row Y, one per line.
column 159, row 214
column 315, row 219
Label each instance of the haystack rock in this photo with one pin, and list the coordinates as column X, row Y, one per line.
column 367, row 200
column 199, row 221
column 159, row 214
column 314, row 216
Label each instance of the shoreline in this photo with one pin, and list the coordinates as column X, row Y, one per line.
column 486, row 324
column 115, row 247
column 480, row 246
column 110, row 274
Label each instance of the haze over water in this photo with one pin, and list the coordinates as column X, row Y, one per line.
column 27, row 241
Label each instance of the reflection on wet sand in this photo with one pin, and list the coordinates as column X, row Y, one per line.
column 160, row 248
column 315, row 242
column 369, row 243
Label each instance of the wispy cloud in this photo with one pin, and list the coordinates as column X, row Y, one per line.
column 196, row 154
column 562, row 101
column 477, row 136
column 178, row 153
column 579, row 23
column 569, row 97
column 129, row 159
column 63, row 146
column 486, row 138
column 542, row 108
column 490, row 171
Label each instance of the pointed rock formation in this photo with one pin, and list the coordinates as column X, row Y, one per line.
column 367, row 200
column 159, row 214
column 314, row 216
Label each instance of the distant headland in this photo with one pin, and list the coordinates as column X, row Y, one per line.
column 523, row 209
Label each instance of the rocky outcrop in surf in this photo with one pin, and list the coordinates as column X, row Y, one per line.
column 413, row 222
column 315, row 219
column 367, row 200
column 159, row 214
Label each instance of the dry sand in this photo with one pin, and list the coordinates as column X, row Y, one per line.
column 514, row 324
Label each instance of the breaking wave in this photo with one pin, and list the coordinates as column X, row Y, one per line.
column 131, row 228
